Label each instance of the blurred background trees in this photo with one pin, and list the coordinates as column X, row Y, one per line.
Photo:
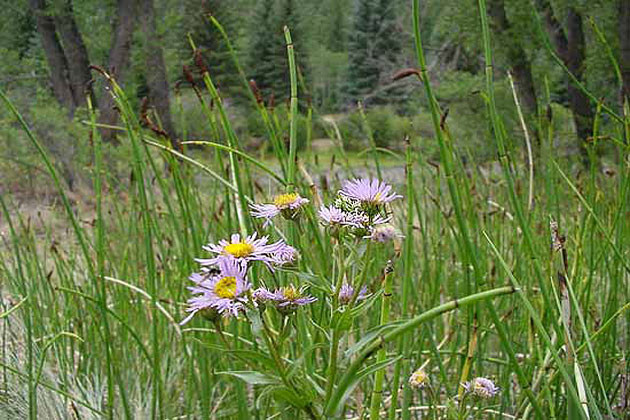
column 347, row 51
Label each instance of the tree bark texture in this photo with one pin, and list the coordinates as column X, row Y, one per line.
column 624, row 47
column 570, row 47
column 57, row 63
column 118, row 61
column 156, row 79
column 75, row 52
column 580, row 103
column 517, row 59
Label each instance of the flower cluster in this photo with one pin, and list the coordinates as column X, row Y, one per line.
column 221, row 287
column 360, row 207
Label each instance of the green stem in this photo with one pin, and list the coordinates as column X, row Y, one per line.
column 294, row 110
column 334, row 344
column 380, row 357
column 402, row 366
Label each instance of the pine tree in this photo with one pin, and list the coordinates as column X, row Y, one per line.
column 287, row 14
column 263, row 47
column 374, row 50
column 363, row 73
column 211, row 44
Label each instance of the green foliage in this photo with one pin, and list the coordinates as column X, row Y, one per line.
column 267, row 54
column 260, row 54
column 388, row 128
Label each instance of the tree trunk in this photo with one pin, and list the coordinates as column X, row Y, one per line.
column 119, row 54
column 518, row 60
column 75, row 52
column 570, row 48
column 556, row 33
column 157, row 82
column 580, row 103
column 624, row 46
column 57, row 64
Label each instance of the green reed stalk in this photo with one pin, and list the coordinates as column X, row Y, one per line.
column 241, row 209
column 259, row 101
column 100, row 262
column 466, row 244
column 291, row 164
column 540, row 326
column 377, row 392
column 504, row 159
column 133, row 129
column 28, row 318
column 337, row 327
column 402, row 366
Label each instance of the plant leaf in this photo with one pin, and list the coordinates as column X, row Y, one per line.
column 355, row 381
column 252, row 377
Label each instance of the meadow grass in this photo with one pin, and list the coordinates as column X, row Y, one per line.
column 479, row 284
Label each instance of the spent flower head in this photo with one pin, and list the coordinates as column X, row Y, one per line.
column 248, row 249
column 419, row 379
column 384, row 233
column 222, row 293
column 289, row 205
column 481, row 387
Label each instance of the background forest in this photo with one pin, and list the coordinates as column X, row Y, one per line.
column 347, row 51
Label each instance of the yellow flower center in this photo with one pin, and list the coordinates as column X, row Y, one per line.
column 239, row 250
column 291, row 293
column 377, row 198
column 283, row 200
column 226, row 288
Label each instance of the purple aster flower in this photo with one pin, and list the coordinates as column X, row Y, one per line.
column 481, row 387
column 332, row 216
column 222, row 293
column 347, row 291
column 249, row 249
column 286, row 204
column 371, row 192
column 290, row 298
